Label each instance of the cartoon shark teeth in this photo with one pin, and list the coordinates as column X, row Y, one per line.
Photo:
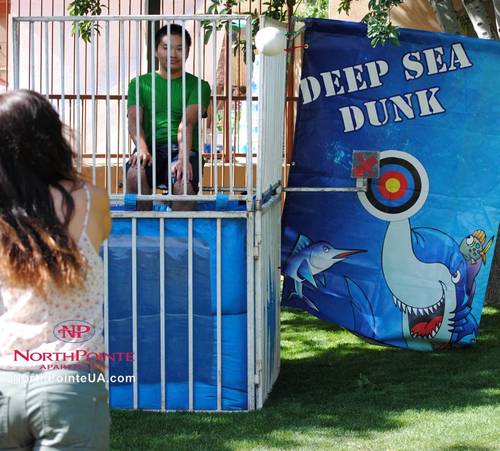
column 425, row 322
column 417, row 311
column 428, row 336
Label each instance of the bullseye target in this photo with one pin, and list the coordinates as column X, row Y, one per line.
column 401, row 189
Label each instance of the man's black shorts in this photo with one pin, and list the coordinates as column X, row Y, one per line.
column 163, row 171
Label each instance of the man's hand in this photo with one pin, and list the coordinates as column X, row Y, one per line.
column 144, row 158
column 178, row 167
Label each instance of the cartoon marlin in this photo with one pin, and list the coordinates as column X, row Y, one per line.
column 426, row 274
column 308, row 260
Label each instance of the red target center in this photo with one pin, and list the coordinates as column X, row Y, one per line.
column 393, row 185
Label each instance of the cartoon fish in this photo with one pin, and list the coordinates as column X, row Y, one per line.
column 308, row 260
column 473, row 248
column 474, row 251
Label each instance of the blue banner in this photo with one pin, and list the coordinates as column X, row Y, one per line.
column 405, row 260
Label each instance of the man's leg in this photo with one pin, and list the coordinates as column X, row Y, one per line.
column 183, row 205
column 132, row 186
column 192, row 186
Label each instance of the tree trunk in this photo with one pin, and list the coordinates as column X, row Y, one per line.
column 496, row 4
column 446, row 15
column 481, row 20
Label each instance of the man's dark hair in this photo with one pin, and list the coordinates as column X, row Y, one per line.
column 174, row 29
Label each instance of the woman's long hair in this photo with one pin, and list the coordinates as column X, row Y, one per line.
column 36, row 250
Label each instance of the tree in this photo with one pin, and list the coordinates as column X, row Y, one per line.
column 483, row 15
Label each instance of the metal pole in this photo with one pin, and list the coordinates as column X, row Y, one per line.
column 248, row 30
column 185, row 150
column 106, row 307
column 190, row 311
column 137, row 100
column 169, row 109
column 153, row 106
column 200, row 107
column 15, row 53
column 32, row 56
column 162, row 315
column 78, row 99
column 108, row 117
column 215, row 168
column 62, row 72
column 46, row 57
column 230, row 108
column 93, row 100
column 250, row 312
column 219, row 313
column 121, row 39
column 134, row 311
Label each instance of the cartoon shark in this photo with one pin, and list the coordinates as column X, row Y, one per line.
column 309, row 259
column 426, row 274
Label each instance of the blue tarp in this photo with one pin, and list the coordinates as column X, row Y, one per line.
column 234, row 318
column 407, row 262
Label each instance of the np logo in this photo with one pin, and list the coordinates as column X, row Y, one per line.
column 74, row 331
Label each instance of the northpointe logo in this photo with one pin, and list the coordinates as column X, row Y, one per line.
column 74, row 331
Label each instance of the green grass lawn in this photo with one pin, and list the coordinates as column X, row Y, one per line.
column 337, row 392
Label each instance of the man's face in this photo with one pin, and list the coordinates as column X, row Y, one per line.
column 175, row 52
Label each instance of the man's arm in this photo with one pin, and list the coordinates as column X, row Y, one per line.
column 138, row 138
column 185, row 148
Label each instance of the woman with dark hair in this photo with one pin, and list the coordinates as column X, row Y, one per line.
column 52, row 224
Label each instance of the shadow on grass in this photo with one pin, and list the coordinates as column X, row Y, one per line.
column 354, row 388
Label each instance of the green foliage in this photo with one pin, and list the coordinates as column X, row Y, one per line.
column 312, row 8
column 85, row 8
column 378, row 20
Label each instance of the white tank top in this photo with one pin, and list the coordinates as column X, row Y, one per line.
column 63, row 331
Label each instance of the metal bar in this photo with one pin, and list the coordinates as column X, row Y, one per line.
column 263, row 128
column 162, row 314
column 106, row 306
column 137, row 100
column 248, row 30
column 200, row 106
column 62, row 72
column 185, row 150
column 153, row 105
column 46, row 57
column 214, row 105
column 147, row 17
column 15, row 53
column 134, row 311
column 78, row 100
column 32, row 57
column 325, row 190
column 108, row 117
column 190, row 311
column 229, row 94
column 250, row 314
column 169, row 108
column 179, row 214
column 121, row 39
column 93, row 103
column 219, row 313
column 259, row 311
